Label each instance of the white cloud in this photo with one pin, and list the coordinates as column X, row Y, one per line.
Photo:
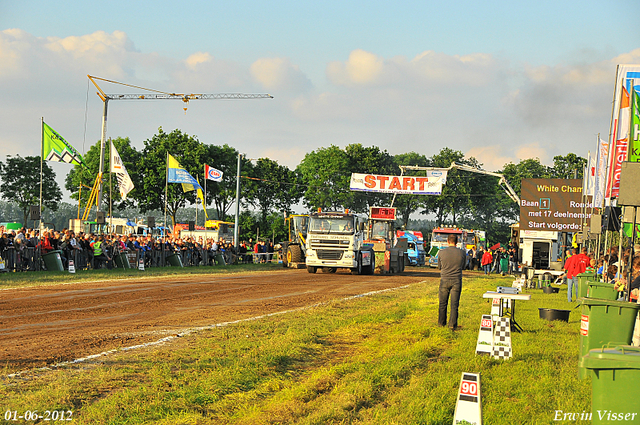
column 361, row 68
column 279, row 74
column 198, row 58
column 491, row 157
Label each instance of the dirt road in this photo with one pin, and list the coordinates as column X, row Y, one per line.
column 44, row 326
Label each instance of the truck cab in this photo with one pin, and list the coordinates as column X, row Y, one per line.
column 335, row 240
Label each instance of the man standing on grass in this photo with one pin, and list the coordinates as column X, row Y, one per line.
column 451, row 261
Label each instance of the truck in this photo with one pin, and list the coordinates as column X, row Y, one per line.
column 415, row 246
column 294, row 250
column 335, row 240
column 439, row 237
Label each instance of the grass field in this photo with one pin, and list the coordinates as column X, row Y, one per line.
column 379, row 359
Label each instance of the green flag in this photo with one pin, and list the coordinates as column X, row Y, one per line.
column 634, row 151
column 55, row 148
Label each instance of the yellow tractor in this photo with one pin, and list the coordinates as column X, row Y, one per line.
column 294, row 250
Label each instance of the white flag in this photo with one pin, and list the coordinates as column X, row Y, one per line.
column 125, row 185
column 601, row 172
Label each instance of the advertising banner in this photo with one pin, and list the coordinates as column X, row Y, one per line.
column 553, row 205
column 431, row 184
column 619, row 130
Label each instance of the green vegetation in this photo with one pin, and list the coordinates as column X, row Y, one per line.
column 45, row 278
column 379, row 359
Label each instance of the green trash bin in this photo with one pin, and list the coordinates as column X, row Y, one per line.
column 583, row 278
column 615, row 373
column 174, row 260
column 601, row 290
column 122, row 261
column 53, row 261
column 604, row 322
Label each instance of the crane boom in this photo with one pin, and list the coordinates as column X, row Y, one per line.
column 503, row 181
column 153, row 95
column 188, row 97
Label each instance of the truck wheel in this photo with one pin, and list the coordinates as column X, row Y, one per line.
column 285, row 256
column 312, row 269
column 294, row 254
column 371, row 267
column 358, row 269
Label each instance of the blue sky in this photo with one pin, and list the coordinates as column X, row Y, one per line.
column 497, row 80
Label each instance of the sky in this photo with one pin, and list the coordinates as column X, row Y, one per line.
column 500, row 81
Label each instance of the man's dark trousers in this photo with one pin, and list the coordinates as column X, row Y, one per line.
column 449, row 289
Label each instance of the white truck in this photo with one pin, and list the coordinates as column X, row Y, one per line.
column 335, row 240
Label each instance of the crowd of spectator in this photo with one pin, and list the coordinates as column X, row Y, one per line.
column 22, row 250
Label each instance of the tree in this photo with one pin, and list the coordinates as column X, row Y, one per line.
column 455, row 200
column 20, row 183
column 326, row 174
column 188, row 151
column 570, row 166
column 275, row 188
column 86, row 176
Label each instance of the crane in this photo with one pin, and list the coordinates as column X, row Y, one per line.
column 153, row 95
column 503, row 181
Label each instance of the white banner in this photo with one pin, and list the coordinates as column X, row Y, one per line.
column 431, row 184
column 124, row 181
column 601, row 170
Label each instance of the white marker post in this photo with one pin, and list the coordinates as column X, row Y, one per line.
column 502, row 339
column 141, row 264
column 469, row 401
column 72, row 267
column 485, row 336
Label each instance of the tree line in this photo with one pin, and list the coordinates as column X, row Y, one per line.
column 321, row 180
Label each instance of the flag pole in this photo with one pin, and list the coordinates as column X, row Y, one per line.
column 41, row 170
column 205, row 205
column 236, row 229
column 166, row 194
column 110, row 186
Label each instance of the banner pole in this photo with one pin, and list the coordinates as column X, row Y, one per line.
column 204, row 197
column 41, row 170
column 236, row 232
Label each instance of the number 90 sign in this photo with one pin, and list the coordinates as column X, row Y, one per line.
column 469, row 388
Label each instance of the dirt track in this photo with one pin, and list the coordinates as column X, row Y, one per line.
column 44, row 326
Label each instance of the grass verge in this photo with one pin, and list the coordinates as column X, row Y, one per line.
column 46, row 278
column 372, row 360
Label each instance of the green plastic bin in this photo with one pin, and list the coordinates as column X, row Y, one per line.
column 604, row 322
column 53, row 261
column 174, row 260
column 122, row 261
column 219, row 259
column 583, row 278
column 601, row 290
column 615, row 373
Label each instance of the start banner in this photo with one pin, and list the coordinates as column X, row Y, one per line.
column 431, row 184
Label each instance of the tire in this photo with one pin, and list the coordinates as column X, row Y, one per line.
column 285, row 256
column 294, row 254
column 371, row 267
column 312, row 269
column 330, row 269
column 358, row 269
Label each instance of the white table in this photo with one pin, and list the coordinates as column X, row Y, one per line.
column 512, row 310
